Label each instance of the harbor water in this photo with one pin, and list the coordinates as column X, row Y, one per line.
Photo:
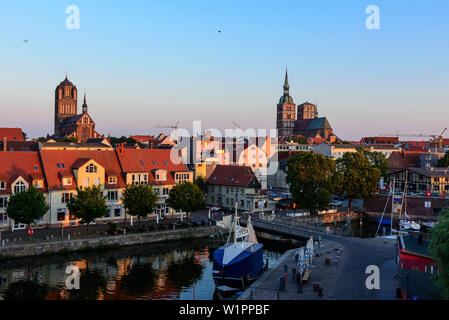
column 166, row 271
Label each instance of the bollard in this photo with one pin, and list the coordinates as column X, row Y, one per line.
column 281, row 283
column 68, row 236
column 3, row 243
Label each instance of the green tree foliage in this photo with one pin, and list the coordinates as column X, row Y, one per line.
column 70, row 139
column 122, row 139
column 356, row 176
column 25, row 136
column 27, row 206
column 89, row 204
column 310, row 177
column 378, row 160
column 444, row 161
column 439, row 248
column 187, row 197
column 202, row 183
column 299, row 139
column 139, row 200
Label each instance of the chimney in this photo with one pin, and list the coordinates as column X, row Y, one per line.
column 5, row 144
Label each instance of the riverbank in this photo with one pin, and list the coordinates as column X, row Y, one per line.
column 64, row 246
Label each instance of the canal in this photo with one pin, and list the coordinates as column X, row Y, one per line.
column 166, row 271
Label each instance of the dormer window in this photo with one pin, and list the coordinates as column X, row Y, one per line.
column 161, row 175
column 19, row 187
column 91, row 169
column 112, row 180
column 67, row 181
column 36, row 168
column 38, row 183
column 2, row 185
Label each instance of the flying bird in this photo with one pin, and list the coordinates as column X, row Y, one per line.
column 26, row 41
column 219, row 31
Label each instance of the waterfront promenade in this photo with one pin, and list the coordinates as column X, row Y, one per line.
column 343, row 279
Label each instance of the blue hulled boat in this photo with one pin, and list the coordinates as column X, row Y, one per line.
column 239, row 263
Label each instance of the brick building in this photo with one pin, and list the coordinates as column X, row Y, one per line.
column 67, row 120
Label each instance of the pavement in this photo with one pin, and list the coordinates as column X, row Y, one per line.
column 343, row 279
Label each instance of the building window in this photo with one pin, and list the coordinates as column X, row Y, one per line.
column 112, row 180
column 112, row 195
column 61, row 214
column 38, row 184
column 3, row 219
column 91, row 169
column 2, row 185
column 66, row 196
column 165, row 191
column 118, row 211
column 67, row 181
column 19, row 187
column 3, row 202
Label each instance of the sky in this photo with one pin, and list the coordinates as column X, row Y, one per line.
column 145, row 64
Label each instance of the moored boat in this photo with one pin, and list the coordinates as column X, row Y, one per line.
column 240, row 262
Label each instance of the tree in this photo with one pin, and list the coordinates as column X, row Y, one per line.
column 25, row 136
column 444, row 161
column 187, row 197
column 439, row 249
column 378, row 160
column 70, row 139
column 299, row 139
column 139, row 200
column 27, row 206
column 310, row 178
column 356, row 176
column 202, row 183
column 89, row 204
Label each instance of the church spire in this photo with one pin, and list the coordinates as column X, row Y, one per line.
column 286, row 85
column 84, row 104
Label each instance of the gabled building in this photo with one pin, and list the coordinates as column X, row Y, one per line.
column 66, row 170
column 156, row 167
column 230, row 184
column 18, row 172
column 11, row 134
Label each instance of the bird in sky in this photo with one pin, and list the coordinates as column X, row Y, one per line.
column 26, row 41
column 219, row 31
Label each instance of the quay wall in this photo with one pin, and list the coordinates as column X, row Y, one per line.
column 63, row 246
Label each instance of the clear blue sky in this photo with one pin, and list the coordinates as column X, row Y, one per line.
column 147, row 63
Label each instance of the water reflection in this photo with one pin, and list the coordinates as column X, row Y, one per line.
column 169, row 271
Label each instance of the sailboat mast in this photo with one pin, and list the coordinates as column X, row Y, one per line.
column 235, row 225
column 392, row 203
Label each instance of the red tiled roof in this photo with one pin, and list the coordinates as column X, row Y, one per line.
column 142, row 139
column 237, row 176
column 377, row 140
column 16, row 164
column 11, row 134
column 404, row 159
column 149, row 160
column 72, row 160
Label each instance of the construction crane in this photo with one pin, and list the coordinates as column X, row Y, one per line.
column 436, row 139
column 171, row 127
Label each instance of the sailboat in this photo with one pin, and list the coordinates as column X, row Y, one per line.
column 240, row 262
column 407, row 223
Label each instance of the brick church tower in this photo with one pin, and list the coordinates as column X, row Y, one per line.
column 66, row 102
column 286, row 112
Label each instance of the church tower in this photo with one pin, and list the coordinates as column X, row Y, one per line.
column 66, row 102
column 286, row 112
